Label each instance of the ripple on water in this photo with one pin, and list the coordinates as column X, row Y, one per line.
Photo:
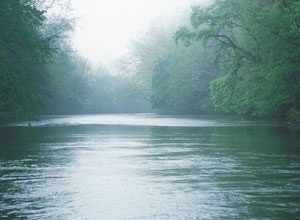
column 149, row 167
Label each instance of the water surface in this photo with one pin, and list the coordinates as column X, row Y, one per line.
column 146, row 166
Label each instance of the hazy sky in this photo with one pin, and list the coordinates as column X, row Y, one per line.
column 105, row 27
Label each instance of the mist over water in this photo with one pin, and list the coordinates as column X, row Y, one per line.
column 80, row 82
column 146, row 166
column 144, row 119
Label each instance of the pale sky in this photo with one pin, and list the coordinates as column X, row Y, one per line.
column 105, row 27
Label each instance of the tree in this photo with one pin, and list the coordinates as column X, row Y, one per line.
column 257, row 53
column 68, row 84
column 174, row 78
column 23, row 52
column 181, row 81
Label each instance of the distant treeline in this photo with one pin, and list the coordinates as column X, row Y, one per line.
column 233, row 57
column 40, row 73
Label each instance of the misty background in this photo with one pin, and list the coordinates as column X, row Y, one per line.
column 220, row 78
column 169, row 57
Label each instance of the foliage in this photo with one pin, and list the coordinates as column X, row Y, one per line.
column 176, row 78
column 181, row 82
column 41, row 73
column 68, row 85
column 112, row 94
column 236, row 56
column 23, row 52
column 257, row 52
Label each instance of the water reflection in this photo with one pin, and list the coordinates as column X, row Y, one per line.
column 143, row 120
column 108, row 171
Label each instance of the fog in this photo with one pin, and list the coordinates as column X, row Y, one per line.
column 118, row 47
column 149, row 109
column 168, row 57
column 105, row 28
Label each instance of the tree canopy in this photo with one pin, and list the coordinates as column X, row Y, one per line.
column 257, row 51
column 24, row 51
column 233, row 57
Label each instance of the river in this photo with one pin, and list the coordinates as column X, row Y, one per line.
column 147, row 166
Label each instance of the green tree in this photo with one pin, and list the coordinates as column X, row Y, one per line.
column 24, row 50
column 181, row 81
column 175, row 79
column 68, row 84
column 257, row 53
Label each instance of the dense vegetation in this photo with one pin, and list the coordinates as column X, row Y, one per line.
column 257, row 53
column 174, row 78
column 40, row 73
column 241, row 57
column 233, row 56
column 24, row 51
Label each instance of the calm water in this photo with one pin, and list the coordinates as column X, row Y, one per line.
column 149, row 167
